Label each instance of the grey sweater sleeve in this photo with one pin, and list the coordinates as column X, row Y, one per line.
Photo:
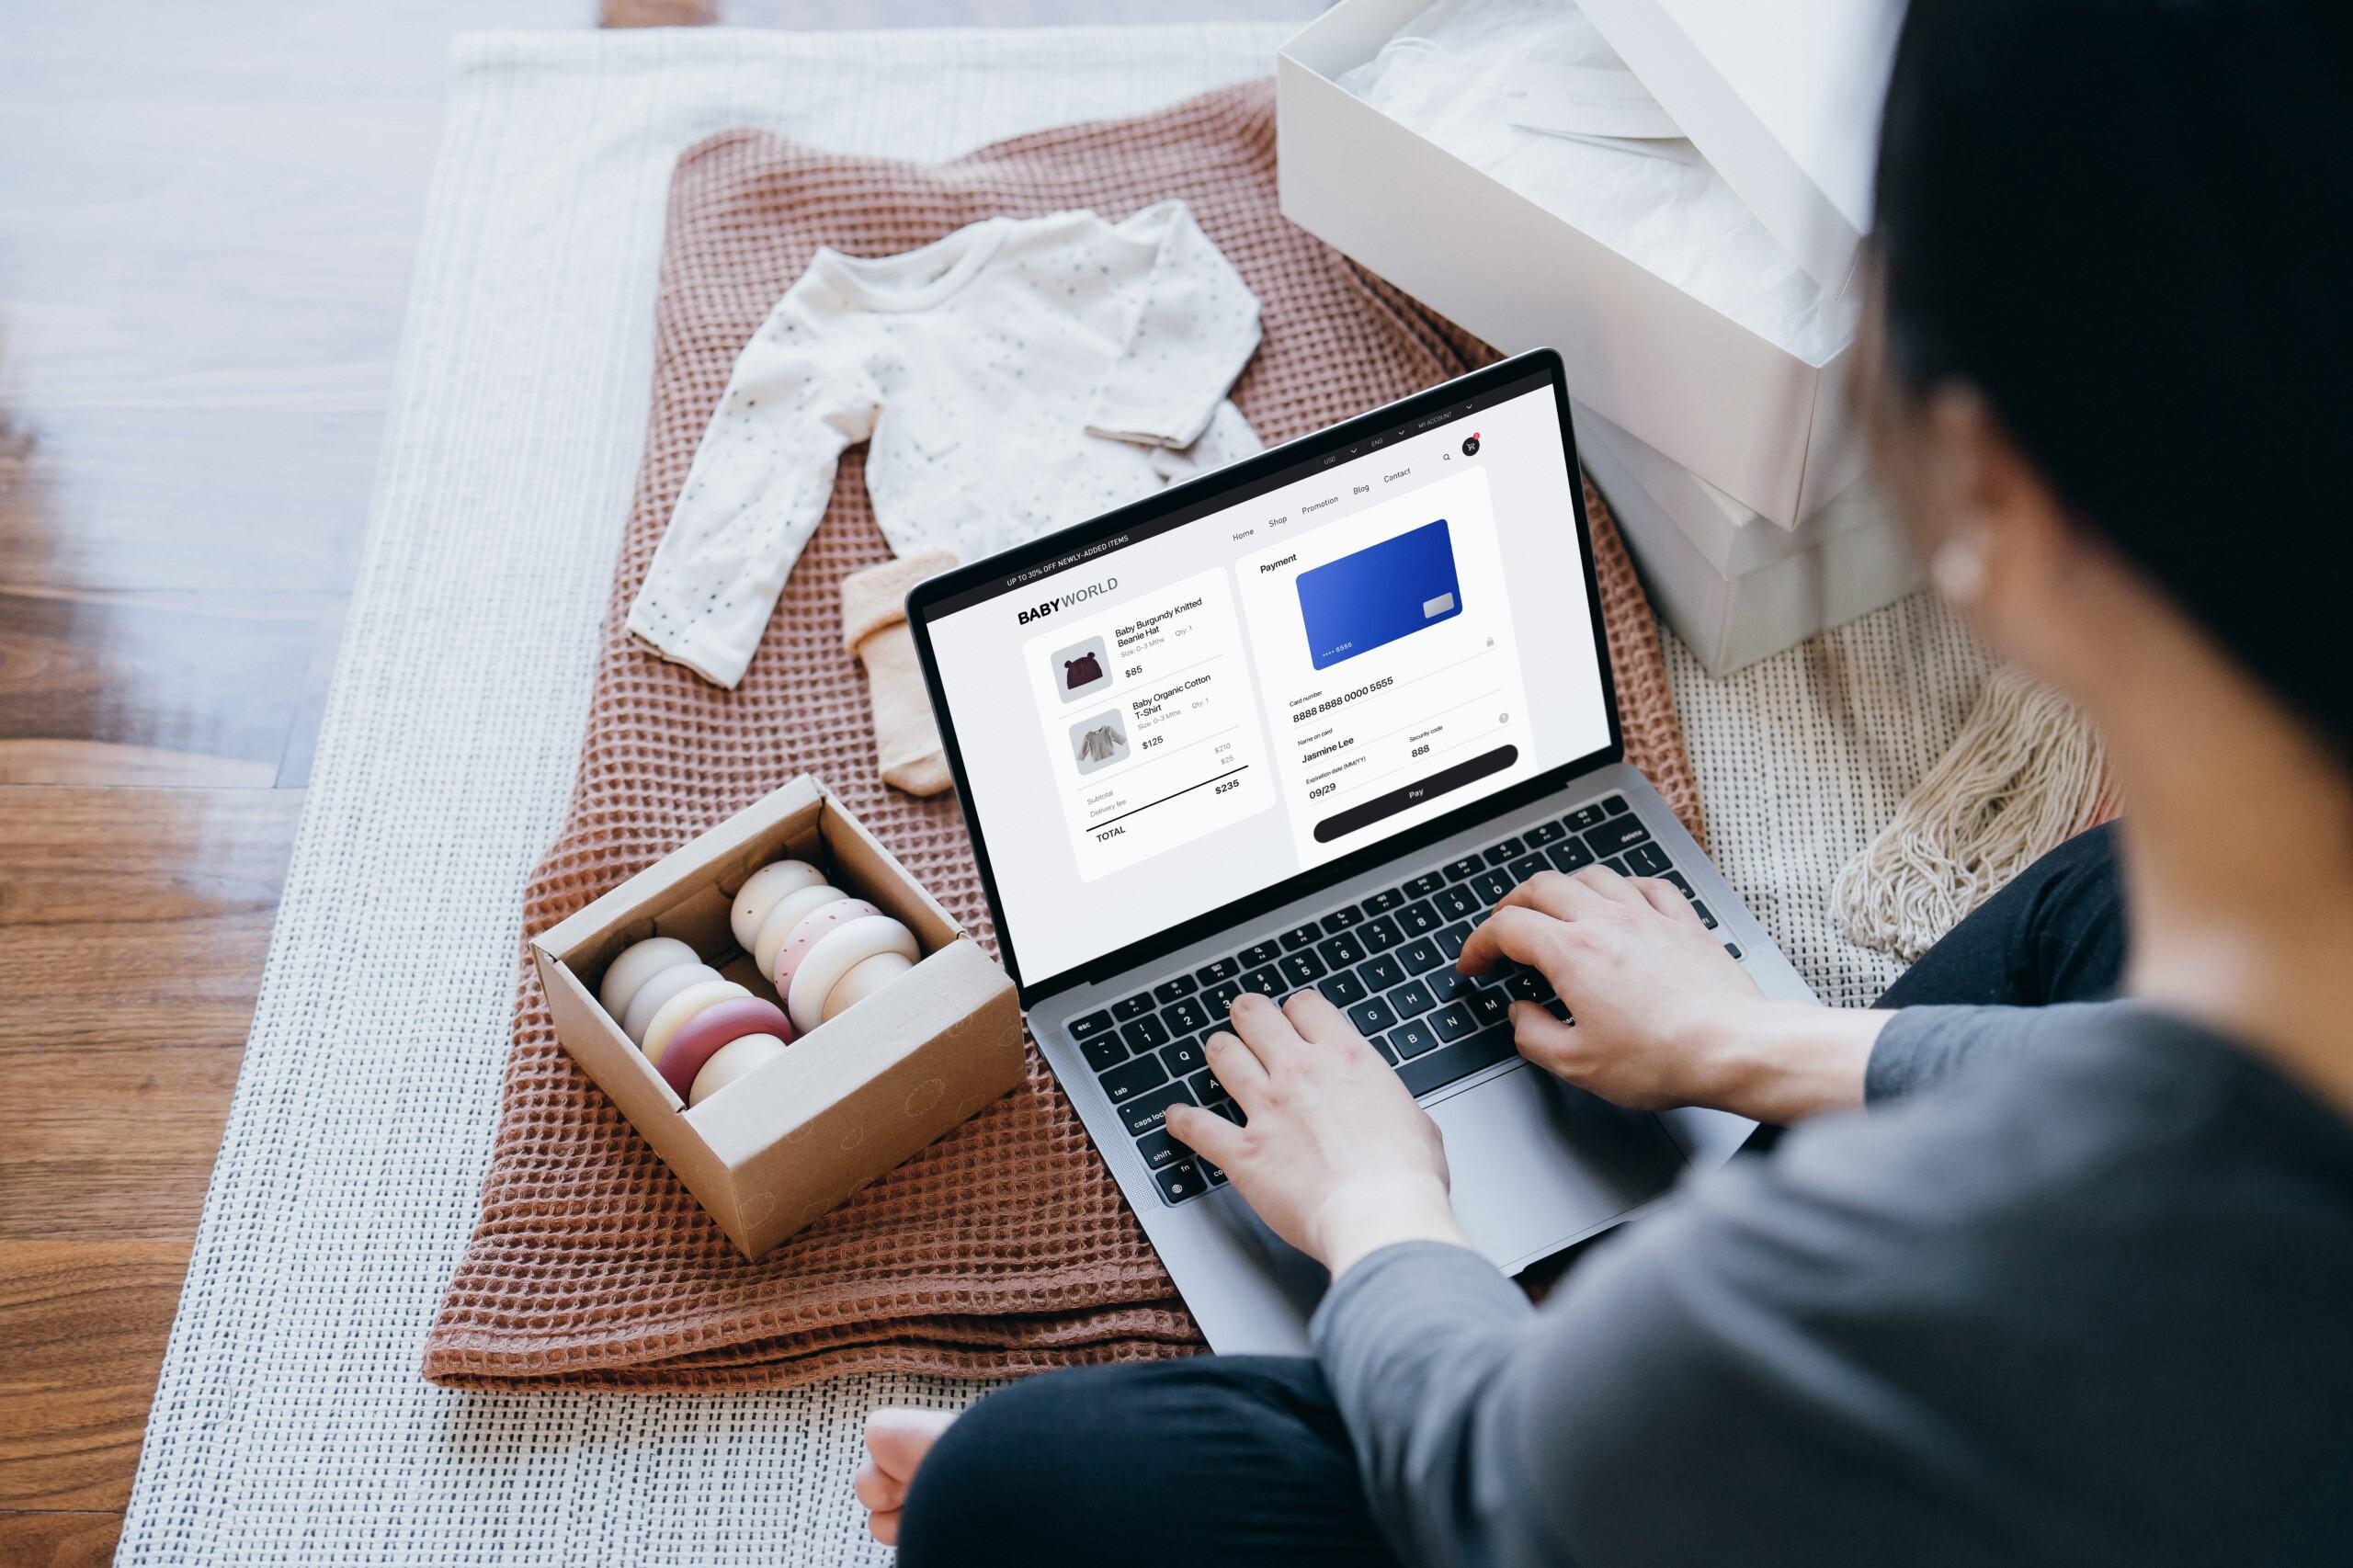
column 1418, row 1342
column 1921, row 1047
column 1700, row 1388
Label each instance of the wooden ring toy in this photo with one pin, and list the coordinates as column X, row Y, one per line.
column 760, row 893
column 813, row 925
column 657, row 992
column 835, row 954
column 787, row 914
column 715, row 1026
column 734, row 1060
column 636, row 964
column 865, row 978
column 679, row 1008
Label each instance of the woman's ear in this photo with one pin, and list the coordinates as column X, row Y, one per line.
column 1996, row 537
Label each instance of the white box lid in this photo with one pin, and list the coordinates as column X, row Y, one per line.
column 1783, row 99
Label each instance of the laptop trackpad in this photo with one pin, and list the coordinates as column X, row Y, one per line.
column 1538, row 1164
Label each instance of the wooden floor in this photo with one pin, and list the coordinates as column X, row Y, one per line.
column 207, row 214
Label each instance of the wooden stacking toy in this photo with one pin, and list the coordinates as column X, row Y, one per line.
column 824, row 949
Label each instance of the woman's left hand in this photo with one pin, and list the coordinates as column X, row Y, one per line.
column 1334, row 1155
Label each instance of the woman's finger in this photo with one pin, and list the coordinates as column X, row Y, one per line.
column 1513, row 932
column 1662, row 897
column 884, row 1527
column 1207, row 1133
column 878, row 1493
column 898, row 1437
column 1608, row 884
column 1237, row 1067
column 1543, row 1038
column 1263, row 1028
column 1313, row 1015
column 1555, row 893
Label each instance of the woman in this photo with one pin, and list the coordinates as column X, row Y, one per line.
column 2056, row 1279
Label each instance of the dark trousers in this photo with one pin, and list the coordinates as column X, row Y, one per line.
column 1243, row 1460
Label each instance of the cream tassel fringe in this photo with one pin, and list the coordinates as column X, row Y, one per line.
column 2022, row 776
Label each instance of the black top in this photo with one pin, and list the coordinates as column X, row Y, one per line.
column 2089, row 1301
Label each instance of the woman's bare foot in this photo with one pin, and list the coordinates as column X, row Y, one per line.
column 896, row 1441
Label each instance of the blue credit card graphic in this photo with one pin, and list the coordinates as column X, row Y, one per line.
column 1382, row 593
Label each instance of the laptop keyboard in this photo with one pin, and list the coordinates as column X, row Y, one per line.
column 1386, row 960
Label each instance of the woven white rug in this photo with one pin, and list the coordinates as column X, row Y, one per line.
column 290, row 1423
column 1802, row 756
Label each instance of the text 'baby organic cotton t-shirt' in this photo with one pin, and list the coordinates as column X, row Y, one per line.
column 1015, row 377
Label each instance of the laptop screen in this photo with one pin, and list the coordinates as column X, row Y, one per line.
column 1191, row 711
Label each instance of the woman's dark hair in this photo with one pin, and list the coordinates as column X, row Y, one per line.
column 2129, row 223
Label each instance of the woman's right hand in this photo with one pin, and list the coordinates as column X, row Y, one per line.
column 1664, row 1015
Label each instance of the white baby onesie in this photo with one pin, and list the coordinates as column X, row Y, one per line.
column 1015, row 377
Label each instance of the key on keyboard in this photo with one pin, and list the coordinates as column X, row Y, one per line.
column 1342, row 988
column 1411, row 1000
column 1456, row 904
column 1130, row 1080
column 1342, row 951
column 1617, row 834
column 1149, row 1111
column 1648, row 861
column 1182, row 1057
column 1186, row 1015
column 1411, row 1038
column 1159, row 1149
column 1180, row 1181
column 1570, row 854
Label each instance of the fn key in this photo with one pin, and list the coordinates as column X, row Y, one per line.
column 1181, row 1181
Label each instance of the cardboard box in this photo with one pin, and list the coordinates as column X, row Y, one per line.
column 850, row 1099
column 1758, row 421
column 1735, row 586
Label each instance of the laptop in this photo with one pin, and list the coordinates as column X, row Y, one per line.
column 1302, row 722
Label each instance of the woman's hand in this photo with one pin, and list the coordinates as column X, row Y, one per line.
column 1664, row 1015
column 897, row 1439
column 1334, row 1154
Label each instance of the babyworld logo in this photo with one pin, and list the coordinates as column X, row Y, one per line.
column 1065, row 601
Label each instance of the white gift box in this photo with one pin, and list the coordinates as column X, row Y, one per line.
column 1781, row 100
column 1734, row 586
